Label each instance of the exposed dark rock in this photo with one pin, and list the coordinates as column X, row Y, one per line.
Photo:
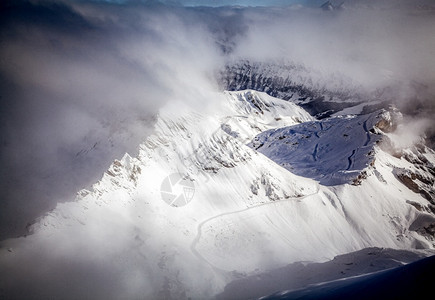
column 360, row 178
column 277, row 80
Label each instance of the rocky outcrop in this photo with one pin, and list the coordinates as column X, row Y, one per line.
column 291, row 82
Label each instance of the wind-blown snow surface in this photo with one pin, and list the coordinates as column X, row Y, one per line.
column 248, row 214
column 332, row 151
column 342, row 268
column 404, row 282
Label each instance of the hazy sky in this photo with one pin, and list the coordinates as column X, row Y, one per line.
column 81, row 82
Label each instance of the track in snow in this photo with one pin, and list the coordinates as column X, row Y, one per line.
column 200, row 225
column 315, row 152
column 367, row 133
column 325, row 150
column 350, row 159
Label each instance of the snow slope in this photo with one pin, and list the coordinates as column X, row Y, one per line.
column 332, row 151
column 318, row 93
column 300, row 275
column 403, row 282
column 248, row 214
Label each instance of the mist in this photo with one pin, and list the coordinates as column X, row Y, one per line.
column 82, row 83
column 379, row 50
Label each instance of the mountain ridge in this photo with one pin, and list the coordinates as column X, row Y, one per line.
column 242, row 201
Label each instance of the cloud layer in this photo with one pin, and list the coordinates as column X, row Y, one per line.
column 82, row 82
column 81, row 85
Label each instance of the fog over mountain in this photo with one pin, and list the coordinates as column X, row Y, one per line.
column 81, row 81
column 84, row 82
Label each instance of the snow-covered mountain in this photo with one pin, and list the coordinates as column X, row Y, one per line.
column 403, row 282
column 320, row 94
column 301, row 279
column 264, row 185
column 316, row 149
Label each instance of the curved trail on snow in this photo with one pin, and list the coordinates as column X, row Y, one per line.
column 314, row 155
column 350, row 160
column 200, row 225
column 368, row 137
